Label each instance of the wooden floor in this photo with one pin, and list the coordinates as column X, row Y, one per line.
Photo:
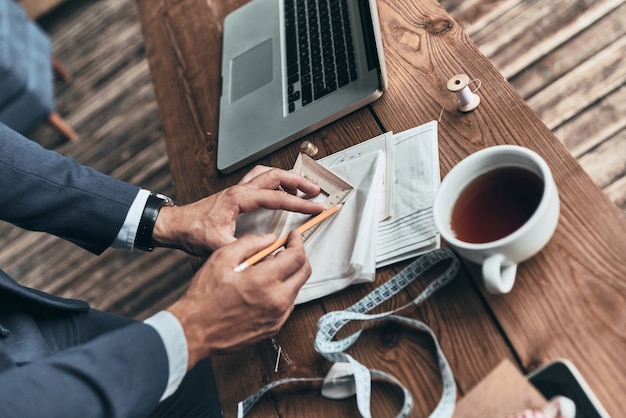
column 567, row 59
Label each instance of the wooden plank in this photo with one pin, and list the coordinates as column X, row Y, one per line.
column 110, row 102
column 615, row 191
column 108, row 118
column 587, row 132
column 571, row 53
column 512, row 29
column 202, row 112
column 607, row 163
column 587, row 83
column 581, row 119
column 598, row 123
column 97, row 60
column 171, row 32
column 475, row 15
column 460, row 136
column 575, row 286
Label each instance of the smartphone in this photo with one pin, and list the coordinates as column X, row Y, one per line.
column 560, row 377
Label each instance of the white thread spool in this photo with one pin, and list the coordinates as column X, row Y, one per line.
column 467, row 99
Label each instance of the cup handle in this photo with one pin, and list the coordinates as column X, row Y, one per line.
column 498, row 278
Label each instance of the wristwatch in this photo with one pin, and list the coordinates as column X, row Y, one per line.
column 143, row 239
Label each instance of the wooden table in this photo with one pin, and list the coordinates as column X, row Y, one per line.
column 568, row 301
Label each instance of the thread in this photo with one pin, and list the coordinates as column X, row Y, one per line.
column 468, row 100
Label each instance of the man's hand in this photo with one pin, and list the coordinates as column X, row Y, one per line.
column 223, row 310
column 208, row 224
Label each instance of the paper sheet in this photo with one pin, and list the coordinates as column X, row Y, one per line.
column 411, row 230
column 382, row 143
column 342, row 252
column 504, row 392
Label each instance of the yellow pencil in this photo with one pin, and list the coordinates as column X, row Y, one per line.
column 282, row 241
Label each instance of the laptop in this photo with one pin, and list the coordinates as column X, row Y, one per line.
column 290, row 67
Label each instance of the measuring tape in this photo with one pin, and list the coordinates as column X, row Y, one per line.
column 358, row 378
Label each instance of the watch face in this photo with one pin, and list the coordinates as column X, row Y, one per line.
column 168, row 200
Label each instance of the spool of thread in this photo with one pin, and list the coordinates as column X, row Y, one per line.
column 308, row 148
column 467, row 99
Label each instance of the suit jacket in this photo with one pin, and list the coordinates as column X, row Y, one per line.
column 122, row 373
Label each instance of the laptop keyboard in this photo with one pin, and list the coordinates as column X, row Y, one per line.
column 320, row 50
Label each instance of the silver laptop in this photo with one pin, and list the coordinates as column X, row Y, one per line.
column 290, row 67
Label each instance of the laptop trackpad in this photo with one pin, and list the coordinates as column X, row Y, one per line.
column 251, row 70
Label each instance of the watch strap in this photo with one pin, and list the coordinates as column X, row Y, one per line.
column 143, row 239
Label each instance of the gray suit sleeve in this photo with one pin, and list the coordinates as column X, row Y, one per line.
column 120, row 374
column 41, row 190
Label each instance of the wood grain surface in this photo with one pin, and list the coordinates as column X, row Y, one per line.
column 566, row 59
column 561, row 296
column 568, row 300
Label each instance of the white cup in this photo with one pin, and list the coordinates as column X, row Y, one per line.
column 499, row 258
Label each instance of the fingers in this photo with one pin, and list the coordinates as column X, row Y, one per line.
column 223, row 310
column 256, row 170
column 289, row 269
column 280, row 278
column 273, row 188
column 291, row 261
column 246, row 247
column 201, row 227
column 290, row 265
column 275, row 199
column 288, row 181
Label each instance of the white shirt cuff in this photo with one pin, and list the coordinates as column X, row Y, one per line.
column 173, row 336
column 125, row 239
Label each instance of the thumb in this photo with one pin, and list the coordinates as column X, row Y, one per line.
column 247, row 246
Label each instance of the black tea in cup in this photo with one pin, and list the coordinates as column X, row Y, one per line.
column 496, row 204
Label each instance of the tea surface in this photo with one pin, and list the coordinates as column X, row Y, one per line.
column 496, row 204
